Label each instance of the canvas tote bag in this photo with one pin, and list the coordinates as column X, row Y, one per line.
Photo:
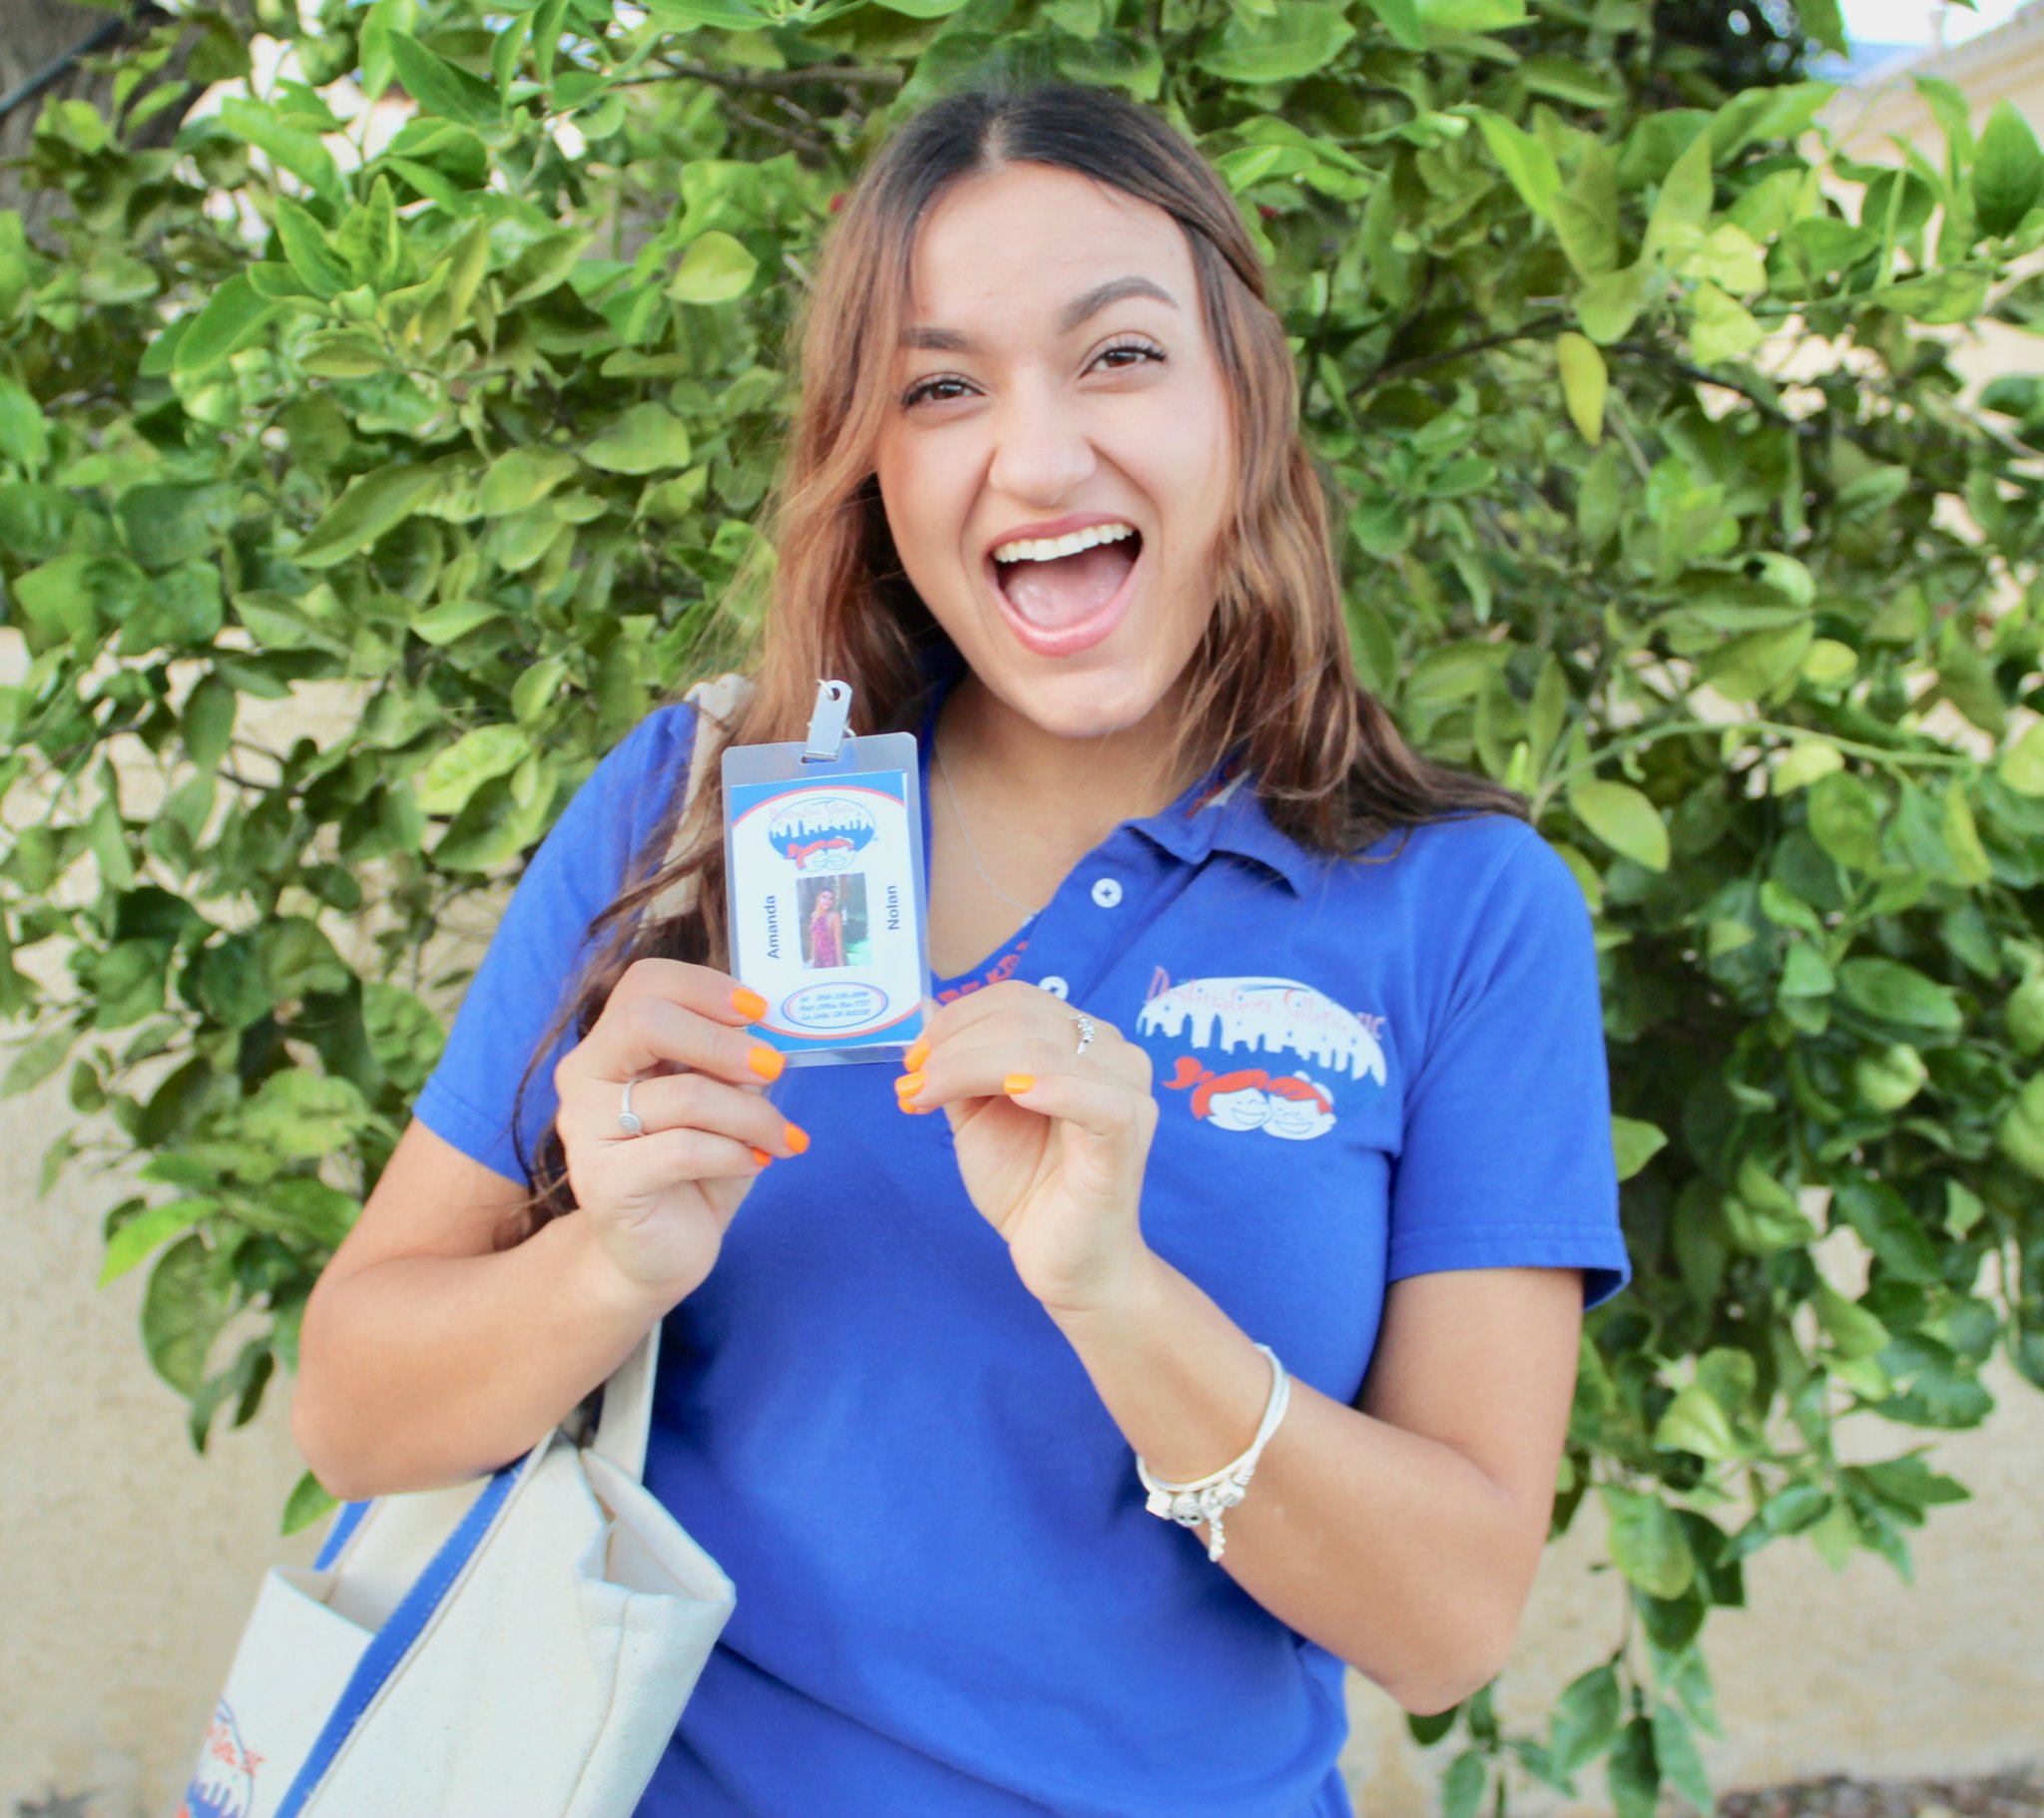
column 517, row 1646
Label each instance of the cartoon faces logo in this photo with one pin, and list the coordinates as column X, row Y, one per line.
column 820, row 832
column 1239, row 1018
column 224, row 1785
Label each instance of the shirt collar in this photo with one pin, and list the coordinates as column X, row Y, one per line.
column 1220, row 812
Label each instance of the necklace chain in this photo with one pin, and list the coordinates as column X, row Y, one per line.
column 972, row 851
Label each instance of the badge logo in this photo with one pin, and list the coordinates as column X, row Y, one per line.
column 1234, row 1021
column 820, row 832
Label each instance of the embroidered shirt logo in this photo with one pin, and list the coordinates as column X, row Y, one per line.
column 1238, row 1019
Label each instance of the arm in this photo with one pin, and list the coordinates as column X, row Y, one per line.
column 1401, row 1536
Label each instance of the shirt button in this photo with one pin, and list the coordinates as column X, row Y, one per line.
column 1055, row 986
column 1107, row 892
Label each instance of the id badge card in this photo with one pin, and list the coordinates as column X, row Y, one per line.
column 823, row 861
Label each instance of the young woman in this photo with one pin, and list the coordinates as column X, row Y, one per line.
column 827, row 931
column 1044, row 502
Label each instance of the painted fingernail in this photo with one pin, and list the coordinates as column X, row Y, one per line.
column 766, row 1061
column 749, row 1004
column 1018, row 1082
column 761, row 1157
column 917, row 1054
column 795, row 1137
column 909, row 1083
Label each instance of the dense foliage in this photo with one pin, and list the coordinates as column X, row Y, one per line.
column 472, row 418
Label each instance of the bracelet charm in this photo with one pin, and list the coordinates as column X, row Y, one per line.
column 1207, row 1498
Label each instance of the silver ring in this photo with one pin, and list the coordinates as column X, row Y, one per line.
column 1085, row 1028
column 627, row 1119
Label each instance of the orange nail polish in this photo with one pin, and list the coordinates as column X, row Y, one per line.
column 909, row 1083
column 916, row 1056
column 1018, row 1082
column 749, row 1004
column 797, row 1137
column 766, row 1061
column 761, row 1157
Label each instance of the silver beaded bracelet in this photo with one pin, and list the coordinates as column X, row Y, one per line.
column 1205, row 1499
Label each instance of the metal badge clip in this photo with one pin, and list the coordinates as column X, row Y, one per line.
column 828, row 721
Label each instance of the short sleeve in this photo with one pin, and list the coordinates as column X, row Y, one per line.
column 537, row 950
column 1506, row 1156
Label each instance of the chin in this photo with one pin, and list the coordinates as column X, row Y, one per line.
column 1081, row 704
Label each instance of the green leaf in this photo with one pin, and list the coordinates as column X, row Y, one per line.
column 1694, row 1422
column 1898, row 994
column 542, row 267
column 1462, row 1786
column 1887, row 1227
column 1647, row 1541
column 2008, row 171
column 1803, row 763
column 182, row 1311
column 311, row 253
column 1401, row 19
column 1719, row 329
column 733, row 15
column 1632, row 1773
column 299, row 1116
column 1675, row 1751
column 23, row 439
column 1845, row 819
column 371, row 505
column 1684, row 204
column 1624, row 819
column 1585, row 1720
column 1299, row 39
column 290, row 148
column 1608, row 308
column 1583, row 384
column 443, row 88
column 37, row 1060
column 470, row 761
column 644, row 439
column 142, row 1234
column 234, row 317
column 2021, row 766
column 308, row 1502
column 521, row 477
column 1635, row 1143
column 1526, row 161
column 1850, row 1327
column 714, row 269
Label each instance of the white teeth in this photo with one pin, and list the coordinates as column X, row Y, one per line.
column 1049, row 549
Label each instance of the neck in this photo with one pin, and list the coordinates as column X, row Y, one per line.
column 1077, row 788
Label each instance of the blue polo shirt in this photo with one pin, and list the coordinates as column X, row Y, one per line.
column 952, row 1599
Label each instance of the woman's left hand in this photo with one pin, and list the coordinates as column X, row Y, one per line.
column 1052, row 1143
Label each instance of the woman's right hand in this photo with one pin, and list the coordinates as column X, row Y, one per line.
column 658, row 1203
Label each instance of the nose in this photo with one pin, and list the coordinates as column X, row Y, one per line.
column 1042, row 448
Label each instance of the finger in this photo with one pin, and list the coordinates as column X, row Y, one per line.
column 643, row 1166
column 956, row 1075
column 946, row 1023
column 684, row 1101
column 1053, row 1026
column 667, row 1011
column 1101, row 1107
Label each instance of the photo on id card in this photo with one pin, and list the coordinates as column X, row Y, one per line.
column 825, row 869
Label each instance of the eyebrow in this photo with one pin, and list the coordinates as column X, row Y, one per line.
column 953, row 340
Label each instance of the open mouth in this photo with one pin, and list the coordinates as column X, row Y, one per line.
column 1063, row 603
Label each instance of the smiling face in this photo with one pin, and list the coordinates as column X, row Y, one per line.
column 1017, row 420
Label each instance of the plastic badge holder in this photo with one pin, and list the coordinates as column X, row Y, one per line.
column 822, row 845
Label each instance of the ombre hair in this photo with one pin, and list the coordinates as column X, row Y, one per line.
column 1270, row 685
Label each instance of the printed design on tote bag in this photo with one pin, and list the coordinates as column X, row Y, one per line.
column 820, row 832
column 1231, row 1021
column 224, row 1785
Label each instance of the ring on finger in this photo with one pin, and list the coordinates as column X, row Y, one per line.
column 1085, row 1028
column 629, row 1119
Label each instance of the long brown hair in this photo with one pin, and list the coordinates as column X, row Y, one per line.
column 1328, row 763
